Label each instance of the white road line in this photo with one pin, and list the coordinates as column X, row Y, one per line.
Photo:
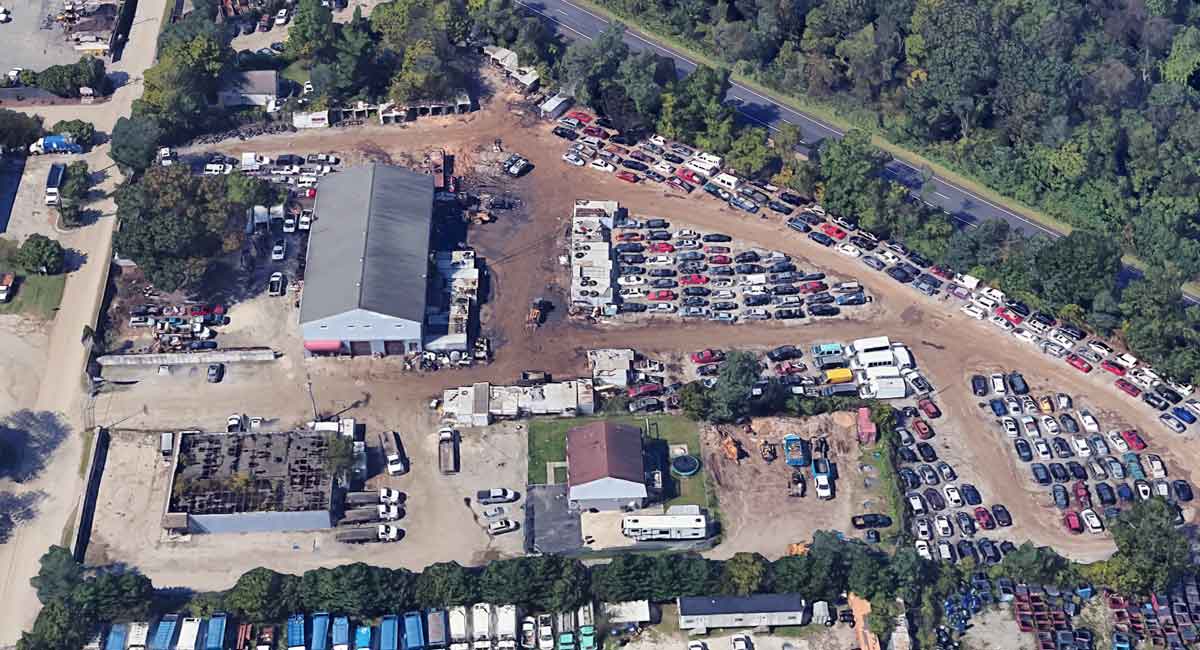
column 941, row 195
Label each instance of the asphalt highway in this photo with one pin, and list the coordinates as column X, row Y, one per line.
column 965, row 207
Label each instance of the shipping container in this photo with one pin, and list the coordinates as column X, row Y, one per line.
column 838, row 376
column 389, row 632
column 139, row 634
column 164, row 634
column 214, row 635
column 341, row 633
column 295, row 632
column 414, row 631
column 189, row 634
column 320, row 632
column 435, row 628
column 116, row 637
column 362, row 637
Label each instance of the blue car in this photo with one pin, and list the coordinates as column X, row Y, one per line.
column 998, row 407
column 1185, row 416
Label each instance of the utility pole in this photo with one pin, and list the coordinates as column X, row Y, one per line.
column 311, row 398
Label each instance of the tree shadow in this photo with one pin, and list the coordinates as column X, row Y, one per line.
column 73, row 258
column 27, row 439
column 15, row 510
column 118, row 79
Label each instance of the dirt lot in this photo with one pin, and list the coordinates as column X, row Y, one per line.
column 23, row 343
column 756, row 513
column 521, row 252
column 439, row 524
column 809, row 637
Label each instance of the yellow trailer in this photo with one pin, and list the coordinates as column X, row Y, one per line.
column 838, row 376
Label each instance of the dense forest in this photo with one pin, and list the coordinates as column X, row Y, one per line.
column 1084, row 108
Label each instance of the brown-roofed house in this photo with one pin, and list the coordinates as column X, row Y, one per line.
column 605, row 469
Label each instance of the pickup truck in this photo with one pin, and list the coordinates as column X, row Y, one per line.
column 6, row 285
column 448, row 451
column 367, row 534
column 495, row 495
column 371, row 514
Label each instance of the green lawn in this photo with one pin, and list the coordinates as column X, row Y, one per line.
column 295, row 72
column 548, row 443
column 34, row 295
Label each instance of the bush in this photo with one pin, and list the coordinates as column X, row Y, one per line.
column 83, row 132
column 66, row 80
column 40, row 254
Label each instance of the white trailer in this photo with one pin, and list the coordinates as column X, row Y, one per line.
column 139, row 633
column 506, row 627
column 460, row 637
column 189, row 633
column 481, row 626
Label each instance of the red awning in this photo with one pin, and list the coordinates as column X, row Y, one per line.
column 323, row 346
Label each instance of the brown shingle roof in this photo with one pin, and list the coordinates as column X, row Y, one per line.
column 604, row 450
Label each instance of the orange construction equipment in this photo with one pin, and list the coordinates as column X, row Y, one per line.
column 799, row 548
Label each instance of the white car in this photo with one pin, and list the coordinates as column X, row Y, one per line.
column 492, row 513
column 1082, row 448
column 1049, row 424
column 1089, row 422
column 849, row 250
column 141, row 321
column 289, row 224
column 1092, row 521
column 1158, row 469
column 279, row 251
column 631, row 280
column 1100, row 347
column 724, row 294
column 235, row 423
column 663, row 308
column 1060, row 337
column 697, row 645
column 686, row 234
column 1172, row 423
column 953, row 497
column 1193, row 406
column 740, row 642
column 997, row 380
column 914, row 502
column 602, row 166
column 943, row 525
column 305, row 222
column 1053, row 349
column 923, row 550
column 631, row 292
column 974, row 311
column 1013, row 404
column 1001, row 323
column 924, row 529
column 1117, row 442
column 502, row 526
column 1031, row 427
column 281, row 18
column 1025, row 335
column 945, row 550
column 660, row 260
column 1042, row 449
column 573, row 159
column 1010, row 427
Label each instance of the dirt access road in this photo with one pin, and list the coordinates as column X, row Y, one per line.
column 522, row 257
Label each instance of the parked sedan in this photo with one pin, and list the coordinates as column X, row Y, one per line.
column 970, row 494
column 1024, row 451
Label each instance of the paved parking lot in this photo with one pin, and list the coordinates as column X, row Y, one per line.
column 28, row 43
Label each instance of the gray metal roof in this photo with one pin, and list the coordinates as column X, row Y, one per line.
column 754, row 604
column 369, row 244
column 252, row 82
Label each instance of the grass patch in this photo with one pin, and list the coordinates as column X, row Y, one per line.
column 295, row 72
column 68, row 534
column 34, row 295
column 89, row 438
column 548, row 444
column 887, row 488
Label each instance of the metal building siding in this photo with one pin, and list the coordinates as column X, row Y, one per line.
column 260, row 522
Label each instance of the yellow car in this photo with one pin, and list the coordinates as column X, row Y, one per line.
column 1046, row 404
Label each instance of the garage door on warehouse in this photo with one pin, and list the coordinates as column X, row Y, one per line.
column 394, row 347
column 360, row 348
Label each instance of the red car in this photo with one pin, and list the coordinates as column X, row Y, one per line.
column 833, row 231
column 661, row 295
column 1082, row 496
column 984, row 518
column 643, row 390
column 628, row 177
column 199, row 310
column 943, row 273
column 1079, row 363
column 662, row 247
column 689, row 176
column 1128, row 388
column 716, row 249
column 720, row 259
column 1010, row 316
column 813, row 287
column 694, row 278
column 924, row 431
column 1113, row 368
column 790, row 368
column 595, row 132
column 707, row 355
column 678, row 184
column 930, row 409
column 310, row 193
column 1133, row 439
column 1072, row 523
column 584, row 118
column 631, row 236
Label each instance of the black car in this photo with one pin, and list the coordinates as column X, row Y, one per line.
column 622, row 139
column 694, row 301
column 662, row 273
column 1017, row 307
column 863, row 243
column 663, row 283
column 969, row 494
column 289, row 159
column 1059, row 473
column 934, row 498
column 908, row 477
column 672, row 158
column 1106, row 494
column 1183, row 491
column 1024, row 451
column 780, row 207
column 785, row 289
column 1007, row 547
column 1001, row 515
column 819, row 299
column 716, row 237
column 870, row 521
column 746, row 257
column 821, row 238
column 791, row 199
column 216, row 372
column 965, row 523
column 873, row 262
column 693, row 267
column 696, row 291
column 655, row 176
column 979, row 385
column 724, row 306
column 920, row 260
column 788, row 314
column 783, row 353
column 1072, row 331
column 781, row 267
column 686, row 256
column 967, row 550
column 633, row 258
column 1068, row 423
column 1016, row 383
column 1060, row 447
column 634, row 165
column 565, row 133
column 1043, row 319
column 749, row 268
column 812, row 277
column 721, row 270
column 926, row 452
column 1042, row 476
column 1168, row 394
column 658, row 223
column 1154, row 400
column 1077, row 471
column 628, row 307
column 756, row 300
column 629, row 247
column 899, row 275
column 988, row 550
column 202, row 345
column 783, row 278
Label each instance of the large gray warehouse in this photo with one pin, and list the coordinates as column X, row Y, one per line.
column 366, row 277
column 698, row 614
